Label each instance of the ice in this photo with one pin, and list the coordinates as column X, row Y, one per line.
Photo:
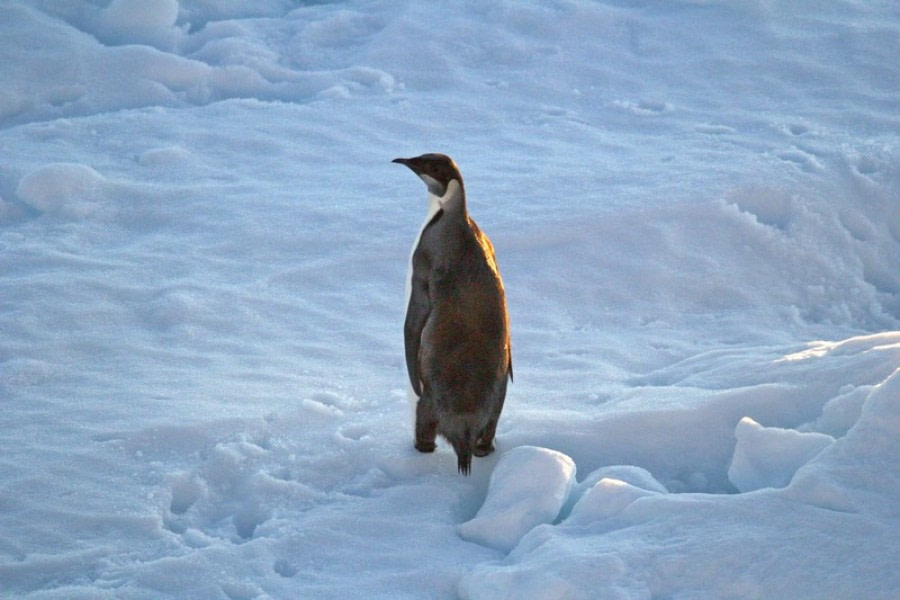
column 606, row 498
column 137, row 21
column 769, row 456
column 68, row 188
column 202, row 254
column 850, row 475
column 528, row 487
column 631, row 542
column 124, row 14
column 633, row 477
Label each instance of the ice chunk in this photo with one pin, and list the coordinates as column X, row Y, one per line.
column 630, row 474
column 141, row 13
column 139, row 21
column 527, row 488
column 65, row 187
column 769, row 456
column 608, row 497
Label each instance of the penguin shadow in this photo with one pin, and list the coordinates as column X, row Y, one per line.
column 440, row 468
column 475, row 488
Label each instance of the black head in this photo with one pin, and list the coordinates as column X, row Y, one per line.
column 436, row 170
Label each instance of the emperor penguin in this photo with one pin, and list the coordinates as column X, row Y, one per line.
column 456, row 333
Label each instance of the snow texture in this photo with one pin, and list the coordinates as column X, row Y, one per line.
column 769, row 456
column 696, row 210
column 528, row 487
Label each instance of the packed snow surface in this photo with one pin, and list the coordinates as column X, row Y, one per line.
column 696, row 211
column 528, row 487
column 769, row 456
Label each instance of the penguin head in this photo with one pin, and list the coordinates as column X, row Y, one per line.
column 436, row 170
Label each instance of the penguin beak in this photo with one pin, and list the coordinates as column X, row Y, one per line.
column 411, row 163
column 415, row 165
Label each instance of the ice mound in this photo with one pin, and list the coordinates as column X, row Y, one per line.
column 527, row 488
column 142, row 13
column 859, row 472
column 769, row 456
column 632, row 475
column 636, row 476
column 69, row 188
column 606, row 498
column 142, row 21
column 165, row 157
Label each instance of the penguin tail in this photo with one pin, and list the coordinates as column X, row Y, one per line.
column 464, row 460
column 464, row 447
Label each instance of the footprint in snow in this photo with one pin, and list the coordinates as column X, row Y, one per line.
column 353, row 433
column 646, row 108
column 801, row 159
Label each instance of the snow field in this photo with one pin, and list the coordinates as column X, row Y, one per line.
column 202, row 250
column 528, row 487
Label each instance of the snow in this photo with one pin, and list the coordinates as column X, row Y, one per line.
column 528, row 487
column 606, row 498
column 769, row 456
column 63, row 188
column 203, row 245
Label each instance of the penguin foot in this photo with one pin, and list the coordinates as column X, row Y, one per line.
column 483, row 448
column 425, row 446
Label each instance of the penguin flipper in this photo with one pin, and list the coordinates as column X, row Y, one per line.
column 416, row 316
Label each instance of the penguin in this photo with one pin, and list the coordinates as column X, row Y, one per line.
column 456, row 332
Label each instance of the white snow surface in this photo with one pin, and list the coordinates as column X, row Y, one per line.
column 528, row 487
column 770, row 456
column 696, row 210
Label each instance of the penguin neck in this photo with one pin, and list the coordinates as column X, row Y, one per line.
column 434, row 205
column 453, row 200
